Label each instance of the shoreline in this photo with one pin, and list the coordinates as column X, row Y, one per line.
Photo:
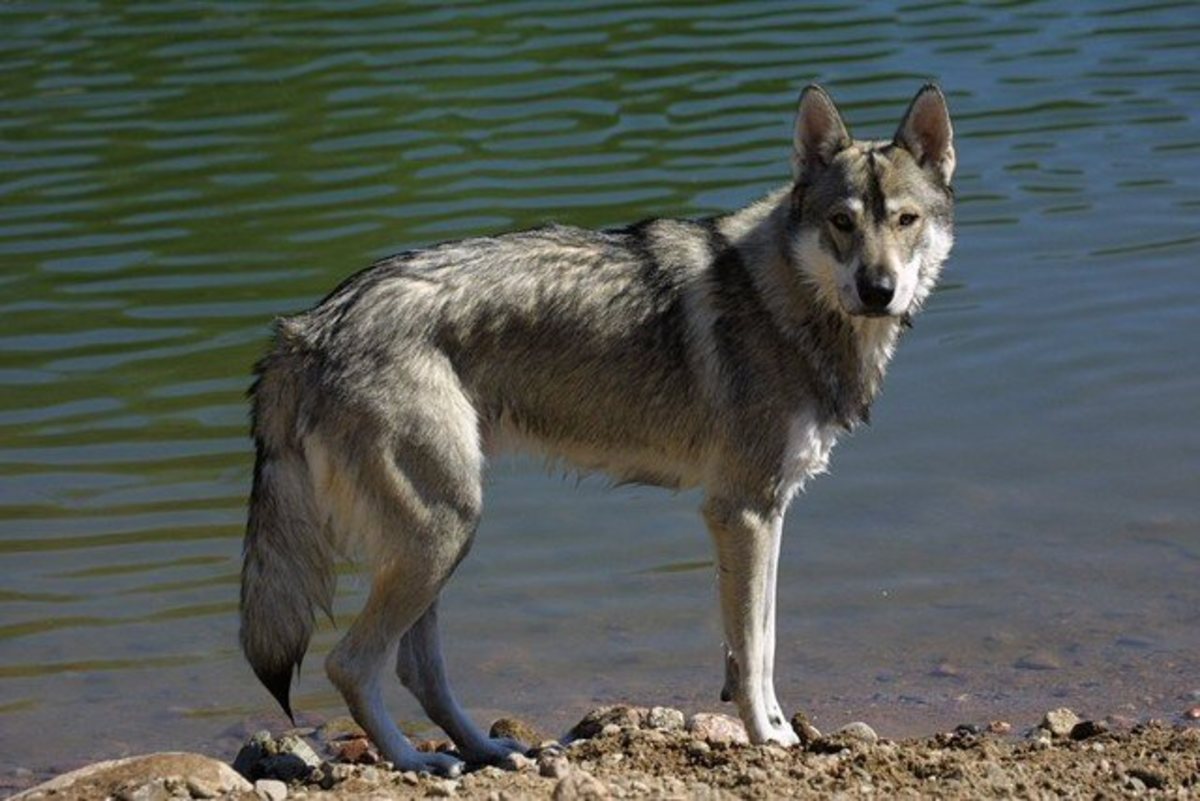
column 657, row 752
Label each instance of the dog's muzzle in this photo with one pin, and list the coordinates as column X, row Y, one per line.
column 876, row 288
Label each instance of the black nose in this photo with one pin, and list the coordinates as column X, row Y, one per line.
column 875, row 289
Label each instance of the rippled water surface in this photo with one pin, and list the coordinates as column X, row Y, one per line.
column 1020, row 527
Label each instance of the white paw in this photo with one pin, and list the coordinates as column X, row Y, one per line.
column 783, row 735
column 774, row 730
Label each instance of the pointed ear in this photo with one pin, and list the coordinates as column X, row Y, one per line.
column 820, row 133
column 927, row 134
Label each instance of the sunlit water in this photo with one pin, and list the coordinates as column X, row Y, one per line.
column 172, row 176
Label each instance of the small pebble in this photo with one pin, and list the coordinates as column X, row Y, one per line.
column 271, row 789
column 580, row 786
column 858, row 731
column 554, row 767
column 945, row 670
column 357, row 751
column 1192, row 714
column 804, row 728
column 715, row 728
column 515, row 729
column 443, row 789
column 999, row 727
column 339, row 773
column 342, row 727
column 1059, row 722
column 1040, row 739
column 595, row 722
column 1120, row 722
column 1086, row 729
column 1038, row 660
column 201, row 789
column 756, row 775
column 665, row 719
column 517, row 762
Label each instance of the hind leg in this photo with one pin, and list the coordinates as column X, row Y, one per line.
column 360, row 660
column 406, row 494
column 422, row 670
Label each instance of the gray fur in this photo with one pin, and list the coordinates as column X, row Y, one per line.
column 725, row 353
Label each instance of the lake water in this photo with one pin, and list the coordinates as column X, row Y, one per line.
column 1018, row 529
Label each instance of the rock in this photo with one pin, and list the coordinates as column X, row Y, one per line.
column 945, row 670
column 516, row 761
column 288, row 758
column 515, row 729
column 622, row 716
column 553, row 767
column 1120, row 722
column 1059, row 722
column 271, row 789
column 443, row 789
column 1038, row 660
column 1192, row 714
column 340, row 773
column 1086, row 729
column 340, row 728
column 754, row 775
column 256, row 749
column 580, row 785
column 1039, row 738
column 435, row 746
column 113, row 777
column 999, row 727
column 358, row 751
column 717, row 729
column 859, row 732
column 1148, row 778
column 198, row 788
column 150, row 791
column 665, row 718
column 804, row 729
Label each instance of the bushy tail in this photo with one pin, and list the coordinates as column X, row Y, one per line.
column 287, row 563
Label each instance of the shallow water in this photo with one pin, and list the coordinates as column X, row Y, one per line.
column 1019, row 527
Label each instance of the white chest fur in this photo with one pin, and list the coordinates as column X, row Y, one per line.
column 808, row 446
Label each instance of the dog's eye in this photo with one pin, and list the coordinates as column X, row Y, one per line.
column 842, row 222
column 907, row 219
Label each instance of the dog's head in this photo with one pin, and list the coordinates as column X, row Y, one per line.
column 873, row 220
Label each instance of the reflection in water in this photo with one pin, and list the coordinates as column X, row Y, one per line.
column 170, row 181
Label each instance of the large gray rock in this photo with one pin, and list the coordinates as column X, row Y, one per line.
column 143, row 775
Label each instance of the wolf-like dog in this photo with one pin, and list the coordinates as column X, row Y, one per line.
column 725, row 353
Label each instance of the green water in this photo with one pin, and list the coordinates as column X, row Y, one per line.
column 173, row 175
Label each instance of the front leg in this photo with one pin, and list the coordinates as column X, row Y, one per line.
column 747, row 548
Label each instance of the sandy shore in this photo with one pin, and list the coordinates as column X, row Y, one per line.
column 637, row 752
